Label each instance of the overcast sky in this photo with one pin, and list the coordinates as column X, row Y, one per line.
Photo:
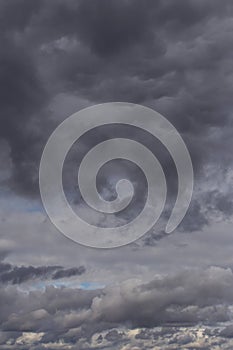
column 58, row 57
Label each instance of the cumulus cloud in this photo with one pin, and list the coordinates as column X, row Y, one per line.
column 184, row 300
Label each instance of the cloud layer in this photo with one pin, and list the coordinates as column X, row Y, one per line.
column 58, row 57
column 74, row 317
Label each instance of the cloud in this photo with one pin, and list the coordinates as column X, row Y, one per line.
column 73, row 271
column 182, row 300
column 185, row 298
column 174, row 58
column 21, row 274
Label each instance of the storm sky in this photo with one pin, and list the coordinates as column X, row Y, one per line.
column 162, row 291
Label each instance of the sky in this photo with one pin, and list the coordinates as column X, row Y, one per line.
column 163, row 291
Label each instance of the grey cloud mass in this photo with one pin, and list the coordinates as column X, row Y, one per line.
column 75, row 316
column 175, row 58
column 163, row 291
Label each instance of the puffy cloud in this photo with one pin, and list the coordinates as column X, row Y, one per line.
column 185, row 299
column 167, row 311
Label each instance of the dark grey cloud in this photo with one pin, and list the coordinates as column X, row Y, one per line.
column 73, row 271
column 173, row 57
column 227, row 332
column 113, row 336
column 112, row 26
column 20, row 274
column 21, row 97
